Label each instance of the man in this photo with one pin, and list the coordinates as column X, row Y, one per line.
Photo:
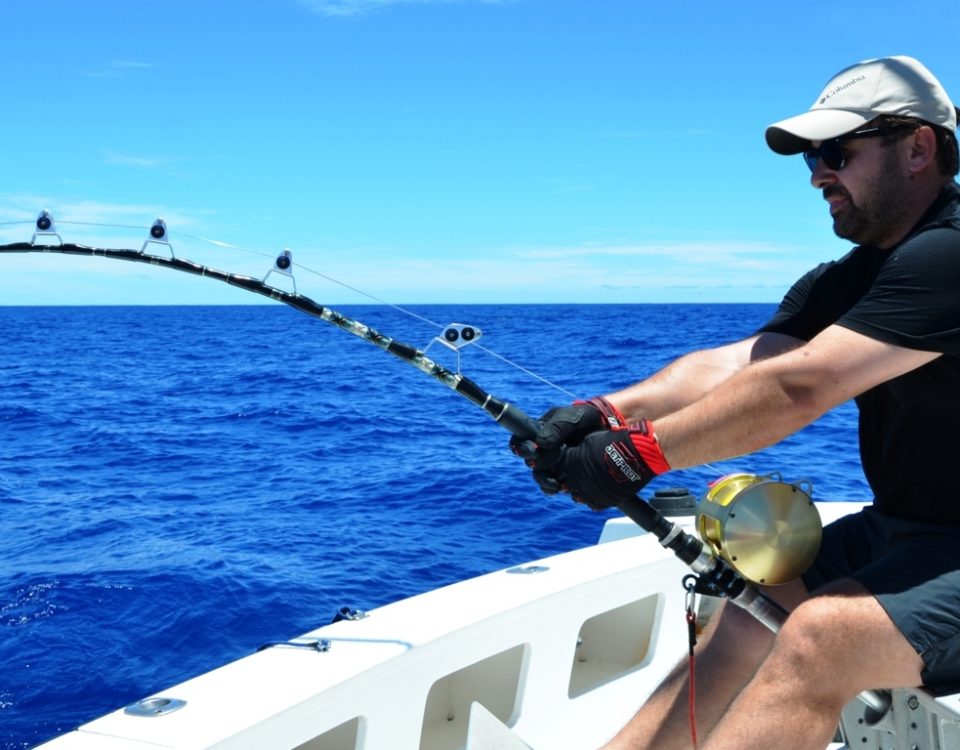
column 880, row 607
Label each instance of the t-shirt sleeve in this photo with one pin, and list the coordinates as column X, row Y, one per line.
column 788, row 319
column 813, row 302
column 914, row 301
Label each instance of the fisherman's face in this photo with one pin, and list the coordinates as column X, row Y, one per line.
column 866, row 195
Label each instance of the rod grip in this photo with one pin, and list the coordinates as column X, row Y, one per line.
column 645, row 516
column 516, row 421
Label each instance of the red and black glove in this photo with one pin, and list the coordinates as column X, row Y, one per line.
column 606, row 467
column 565, row 426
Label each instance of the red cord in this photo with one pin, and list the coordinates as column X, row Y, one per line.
column 692, row 693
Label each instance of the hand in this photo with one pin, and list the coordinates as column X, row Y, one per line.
column 566, row 426
column 606, row 468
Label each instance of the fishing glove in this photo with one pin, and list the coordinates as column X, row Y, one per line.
column 566, row 426
column 606, row 467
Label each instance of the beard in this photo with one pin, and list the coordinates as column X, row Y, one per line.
column 879, row 213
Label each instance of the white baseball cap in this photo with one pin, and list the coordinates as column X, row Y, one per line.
column 898, row 86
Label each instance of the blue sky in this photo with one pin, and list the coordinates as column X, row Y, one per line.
column 429, row 150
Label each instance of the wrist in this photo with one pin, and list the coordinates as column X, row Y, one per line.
column 612, row 416
column 645, row 442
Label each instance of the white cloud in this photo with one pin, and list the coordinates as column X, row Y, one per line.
column 129, row 160
column 345, row 8
column 574, row 274
column 121, row 64
column 117, row 69
column 683, row 252
column 649, row 135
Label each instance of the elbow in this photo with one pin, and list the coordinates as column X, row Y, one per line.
column 804, row 405
column 807, row 401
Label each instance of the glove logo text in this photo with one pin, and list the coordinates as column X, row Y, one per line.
column 622, row 464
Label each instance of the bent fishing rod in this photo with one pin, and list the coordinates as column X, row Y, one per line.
column 716, row 577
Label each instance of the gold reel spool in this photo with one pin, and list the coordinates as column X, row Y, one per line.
column 765, row 529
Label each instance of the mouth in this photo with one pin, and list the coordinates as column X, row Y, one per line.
column 836, row 205
column 837, row 199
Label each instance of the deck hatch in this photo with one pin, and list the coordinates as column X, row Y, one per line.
column 613, row 644
column 344, row 736
column 493, row 682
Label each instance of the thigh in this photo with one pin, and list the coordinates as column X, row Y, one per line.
column 913, row 571
column 855, row 643
column 848, row 544
column 918, row 585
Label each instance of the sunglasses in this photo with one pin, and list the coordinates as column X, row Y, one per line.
column 833, row 153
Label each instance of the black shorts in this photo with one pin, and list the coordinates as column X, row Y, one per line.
column 913, row 569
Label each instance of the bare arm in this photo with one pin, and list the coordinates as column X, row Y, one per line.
column 694, row 375
column 761, row 404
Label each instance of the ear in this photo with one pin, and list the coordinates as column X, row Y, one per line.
column 923, row 149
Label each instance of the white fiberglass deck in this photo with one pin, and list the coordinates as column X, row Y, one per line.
column 552, row 654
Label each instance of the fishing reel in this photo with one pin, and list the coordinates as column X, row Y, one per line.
column 766, row 529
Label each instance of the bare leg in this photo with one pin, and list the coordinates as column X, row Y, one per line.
column 727, row 656
column 832, row 647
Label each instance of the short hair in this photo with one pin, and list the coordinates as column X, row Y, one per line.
column 948, row 159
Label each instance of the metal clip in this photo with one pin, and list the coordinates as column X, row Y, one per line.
column 690, row 585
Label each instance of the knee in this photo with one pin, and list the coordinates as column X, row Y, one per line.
column 813, row 640
column 735, row 634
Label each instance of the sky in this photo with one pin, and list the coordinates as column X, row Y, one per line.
column 428, row 151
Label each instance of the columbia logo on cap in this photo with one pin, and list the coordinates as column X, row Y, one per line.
column 838, row 89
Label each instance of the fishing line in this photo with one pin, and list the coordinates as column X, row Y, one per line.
column 379, row 300
column 106, row 226
column 320, row 274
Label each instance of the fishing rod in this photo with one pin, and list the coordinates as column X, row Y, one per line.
column 715, row 576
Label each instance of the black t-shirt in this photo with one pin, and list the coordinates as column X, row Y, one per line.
column 908, row 296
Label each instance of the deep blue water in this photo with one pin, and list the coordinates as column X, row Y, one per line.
column 180, row 485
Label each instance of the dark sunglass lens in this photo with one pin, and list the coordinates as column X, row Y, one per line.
column 830, row 151
column 832, row 154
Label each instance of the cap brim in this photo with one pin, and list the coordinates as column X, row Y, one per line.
column 793, row 135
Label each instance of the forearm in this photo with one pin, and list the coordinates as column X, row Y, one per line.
column 679, row 384
column 690, row 378
column 771, row 399
column 755, row 408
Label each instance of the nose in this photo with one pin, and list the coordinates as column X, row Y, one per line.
column 822, row 175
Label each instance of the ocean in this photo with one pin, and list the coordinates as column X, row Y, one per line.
column 179, row 485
